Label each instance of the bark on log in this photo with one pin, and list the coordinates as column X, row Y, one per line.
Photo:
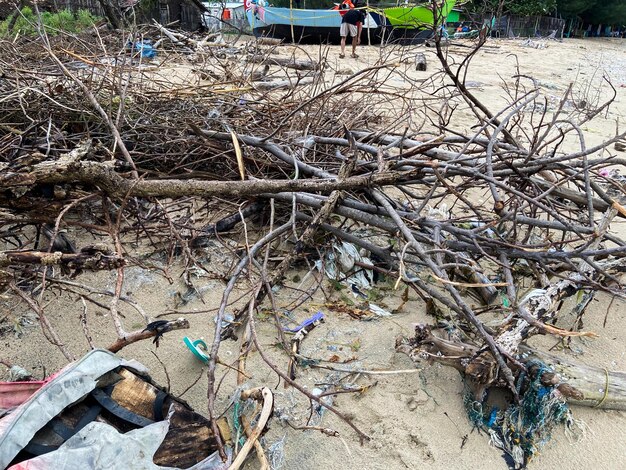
column 265, row 41
column 105, row 177
column 582, row 384
column 276, row 85
column 579, row 383
column 576, row 197
column 288, row 62
column 112, row 12
column 90, row 257
column 189, row 440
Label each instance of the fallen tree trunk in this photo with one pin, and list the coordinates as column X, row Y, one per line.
column 577, row 197
column 579, row 383
column 265, row 41
column 90, row 257
column 105, row 177
column 288, row 62
column 265, row 86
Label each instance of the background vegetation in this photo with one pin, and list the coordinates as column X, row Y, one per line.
column 24, row 22
column 591, row 11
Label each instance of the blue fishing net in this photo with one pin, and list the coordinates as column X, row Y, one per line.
column 523, row 428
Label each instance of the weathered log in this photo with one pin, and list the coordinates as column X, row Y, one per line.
column 94, row 257
column 265, row 41
column 576, row 197
column 487, row 292
column 275, row 85
column 105, row 177
column 420, row 62
column 189, row 439
column 579, row 383
column 288, row 62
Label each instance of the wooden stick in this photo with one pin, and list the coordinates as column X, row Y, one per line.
column 266, row 86
column 138, row 335
column 89, row 258
column 260, row 453
column 579, row 383
column 291, row 63
column 103, row 176
column 268, row 404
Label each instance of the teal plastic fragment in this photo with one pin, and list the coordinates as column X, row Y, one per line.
column 195, row 348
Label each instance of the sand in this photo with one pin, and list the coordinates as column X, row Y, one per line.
column 415, row 419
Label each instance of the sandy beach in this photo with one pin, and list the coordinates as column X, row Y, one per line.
column 415, row 418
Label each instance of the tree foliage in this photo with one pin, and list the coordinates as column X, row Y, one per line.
column 530, row 7
column 26, row 22
column 515, row 7
column 592, row 11
column 606, row 12
column 573, row 8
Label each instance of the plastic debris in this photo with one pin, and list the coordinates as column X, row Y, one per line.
column 14, row 393
column 318, row 317
column 43, row 432
column 226, row 320
column 379, row 311
column 521, row 430
column 99, row 446
column 440, row 212
column 18, row 374
column 198, row 348
column 276, row 453
column 146, row 49
column 534, row 44
column 357, row 292
column 341, row 260
column 302, row 331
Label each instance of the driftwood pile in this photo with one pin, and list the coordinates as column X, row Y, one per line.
column 97, row 138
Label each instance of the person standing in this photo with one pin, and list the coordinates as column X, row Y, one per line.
column 351, row 23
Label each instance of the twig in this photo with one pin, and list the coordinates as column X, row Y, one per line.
column 138, row 335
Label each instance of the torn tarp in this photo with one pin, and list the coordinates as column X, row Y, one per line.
column 103, row 412
column 99, row 446
column 70, row 385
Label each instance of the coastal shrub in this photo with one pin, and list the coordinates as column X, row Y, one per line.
column 62, row 21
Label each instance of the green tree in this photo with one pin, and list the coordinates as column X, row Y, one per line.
column 530, row 7
column 573, row 8
column 591, row 11
column 606, row 12
column 515, row 7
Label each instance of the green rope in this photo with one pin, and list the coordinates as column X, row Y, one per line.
column 237, row 423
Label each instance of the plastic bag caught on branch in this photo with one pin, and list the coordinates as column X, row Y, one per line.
column 344, row 264
column 340, row 264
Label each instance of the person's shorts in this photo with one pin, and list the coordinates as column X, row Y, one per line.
column 347, row 27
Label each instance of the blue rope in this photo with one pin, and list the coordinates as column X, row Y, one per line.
column 527, row 425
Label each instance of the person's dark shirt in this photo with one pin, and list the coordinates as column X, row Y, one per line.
column 354, row 17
